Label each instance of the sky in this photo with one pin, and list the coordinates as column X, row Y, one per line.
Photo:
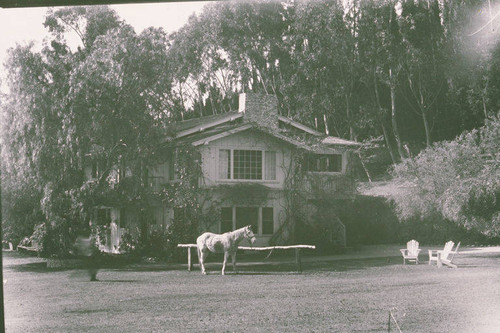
column 22, row 25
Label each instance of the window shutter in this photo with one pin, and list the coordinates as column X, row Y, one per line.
column 270, row 165
column 267, row 221
column 226, row 223
column 224, row 164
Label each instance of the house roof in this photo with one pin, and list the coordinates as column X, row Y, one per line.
column 199, row 131
column 299, row 126
column 190, row 126
column 214, row 136
column 205, row 137
column 204, row 134
column 332, row 140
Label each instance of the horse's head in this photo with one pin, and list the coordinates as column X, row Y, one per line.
column 249, row 234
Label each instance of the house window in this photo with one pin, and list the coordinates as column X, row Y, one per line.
column 103, row 216
column 226, row 219
column 324, row 163
column 260, row 218
column 267, row 221
column 247, row 164
column 126, row 218
column 247, row 216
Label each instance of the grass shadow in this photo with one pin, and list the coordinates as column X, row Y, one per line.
column 262, row 273
column 344, row 265
column 118, row 281
column 86, row 311
column 239, row 272
column 36, row 267
column 147, row 267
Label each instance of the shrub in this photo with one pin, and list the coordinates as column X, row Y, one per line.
column 457, row 180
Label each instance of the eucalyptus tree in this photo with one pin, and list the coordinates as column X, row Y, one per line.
column 230, row 47
column 87, row 23
column 22, row 119
column 251, row 33
column 424, row 61
column 324, row 56
column 203, row 79
column 468, row 62
column 380, row 50
column 107, row 100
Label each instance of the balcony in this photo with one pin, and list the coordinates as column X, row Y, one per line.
column 319, row 184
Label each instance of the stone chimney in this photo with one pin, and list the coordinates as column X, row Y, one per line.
column 260, row 109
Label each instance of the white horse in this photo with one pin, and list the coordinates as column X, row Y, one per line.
column 227, row 243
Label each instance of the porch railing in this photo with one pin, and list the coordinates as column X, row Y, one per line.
column 318, row 184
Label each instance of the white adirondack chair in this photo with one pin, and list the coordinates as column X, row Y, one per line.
column 444, row 256
column 411, row 252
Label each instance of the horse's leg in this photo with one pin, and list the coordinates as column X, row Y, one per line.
column 233, row 259
column 201, row 259
column 226, row 254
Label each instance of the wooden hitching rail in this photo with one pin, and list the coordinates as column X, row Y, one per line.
column 298, row 261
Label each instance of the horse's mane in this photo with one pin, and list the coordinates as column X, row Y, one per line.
column 237, row 232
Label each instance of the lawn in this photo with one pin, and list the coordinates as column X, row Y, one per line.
column 329, row 296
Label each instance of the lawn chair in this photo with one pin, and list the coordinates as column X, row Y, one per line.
column 411, row 252
column 444, row 256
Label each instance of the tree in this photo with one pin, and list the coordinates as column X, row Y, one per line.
column 203, row 80
column 104, row 101
column 324, row 76
column 381, row 49
column 424, row 60
column 87, row 23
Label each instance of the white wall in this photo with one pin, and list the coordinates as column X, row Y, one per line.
column 247, row 140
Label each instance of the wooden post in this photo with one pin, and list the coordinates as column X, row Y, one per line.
column 190, row 263
column 297, row 260
column 439, row 262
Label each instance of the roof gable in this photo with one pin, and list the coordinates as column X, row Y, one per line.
column 213, row 135
column 199, row 131
column 298, row 126
column 191, row 126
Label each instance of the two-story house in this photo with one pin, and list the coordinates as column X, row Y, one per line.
column 257, row 166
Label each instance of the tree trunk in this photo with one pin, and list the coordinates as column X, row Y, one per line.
column 327, row 132
column 393, row 117
column 388, row 143
column 381, row 119
column 364, row 167
column 423, row 110
column 427, row 128
column 349, row 117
